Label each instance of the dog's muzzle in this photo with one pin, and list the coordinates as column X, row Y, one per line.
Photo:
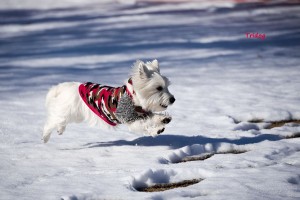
column 171, row 101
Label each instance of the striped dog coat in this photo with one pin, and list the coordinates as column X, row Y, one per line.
column 112, row 105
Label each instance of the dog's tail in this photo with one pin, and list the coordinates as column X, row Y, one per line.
column 53, row 93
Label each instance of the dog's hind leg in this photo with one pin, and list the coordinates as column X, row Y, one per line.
column 61, row 127
column 48, row 128
column 63, row 105
column 53, row 123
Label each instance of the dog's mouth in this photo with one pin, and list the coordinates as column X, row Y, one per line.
column 164, row 106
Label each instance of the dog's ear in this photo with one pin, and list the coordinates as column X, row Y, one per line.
column 143, row 70
column 153, row 65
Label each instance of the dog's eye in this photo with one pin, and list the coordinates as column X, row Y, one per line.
column 159, row 88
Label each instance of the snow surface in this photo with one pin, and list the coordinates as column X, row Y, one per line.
column 221, row 81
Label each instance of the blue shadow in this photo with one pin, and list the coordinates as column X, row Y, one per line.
column 178, row 141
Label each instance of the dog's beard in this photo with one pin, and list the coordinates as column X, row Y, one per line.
column 154, row 102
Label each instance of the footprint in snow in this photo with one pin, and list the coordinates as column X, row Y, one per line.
column 161, row 180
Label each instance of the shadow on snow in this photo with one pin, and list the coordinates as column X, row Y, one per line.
column 178, row 141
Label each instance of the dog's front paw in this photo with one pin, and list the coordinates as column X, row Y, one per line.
column 154, row 131
column 161, row 119
column 167, row 120
column 160, row 131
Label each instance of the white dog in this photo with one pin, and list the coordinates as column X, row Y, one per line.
column 133, row 104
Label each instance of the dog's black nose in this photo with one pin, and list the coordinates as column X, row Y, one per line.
column 172, row 100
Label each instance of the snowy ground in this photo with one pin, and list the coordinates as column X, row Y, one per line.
column 221, row 81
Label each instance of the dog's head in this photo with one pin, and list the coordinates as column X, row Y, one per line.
column 151, row 88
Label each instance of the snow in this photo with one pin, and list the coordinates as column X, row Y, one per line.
column 221, row 80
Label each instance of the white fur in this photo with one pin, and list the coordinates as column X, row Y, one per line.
column 64, row 104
